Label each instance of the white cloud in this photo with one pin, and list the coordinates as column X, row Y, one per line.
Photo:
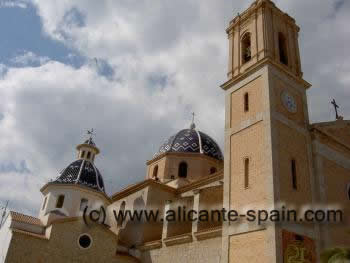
column 29, row 58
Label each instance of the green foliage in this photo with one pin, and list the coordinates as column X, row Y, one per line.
column 336, row 255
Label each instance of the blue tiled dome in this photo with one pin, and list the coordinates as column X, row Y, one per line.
column 191, row 141
column 82, row 172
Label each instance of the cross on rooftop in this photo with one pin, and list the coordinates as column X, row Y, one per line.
column 336, row 107
column 192, row 124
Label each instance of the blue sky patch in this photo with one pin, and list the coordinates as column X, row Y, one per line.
column 22, row 32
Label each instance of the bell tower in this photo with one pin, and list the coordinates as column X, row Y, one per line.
column 268, row 154
column 263, row 32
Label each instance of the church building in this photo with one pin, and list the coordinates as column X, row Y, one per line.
column 273, row 157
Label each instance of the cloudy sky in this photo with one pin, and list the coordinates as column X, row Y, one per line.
column 134, row 70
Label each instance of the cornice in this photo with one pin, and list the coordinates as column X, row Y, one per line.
column 203, row 181
column 315, row 129
column 79, row 187
column 137, row 187
column 185, row 155
column 257, row 66
column 255, row 7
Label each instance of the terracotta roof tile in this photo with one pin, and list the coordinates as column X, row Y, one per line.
column 25, row 218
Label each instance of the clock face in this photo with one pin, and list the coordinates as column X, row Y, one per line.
column 289, row 102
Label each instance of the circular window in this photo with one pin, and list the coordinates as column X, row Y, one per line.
column 85, row 241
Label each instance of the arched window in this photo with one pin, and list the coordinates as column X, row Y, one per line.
column 294, row 174
column 246, row 48
column 88, row 155
column 246, row 102
column 282, row 45
column 183, row 170
column 83, row 204
column 246, row 172
column 155, row 171
column 60, row 201
column 82, row 154
column 348, row 191
column 212, row 170
column 121, row 210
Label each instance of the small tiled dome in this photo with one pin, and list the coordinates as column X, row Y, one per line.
column 82, row 172
column 192, row 141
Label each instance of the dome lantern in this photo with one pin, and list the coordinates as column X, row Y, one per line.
column 88, row 150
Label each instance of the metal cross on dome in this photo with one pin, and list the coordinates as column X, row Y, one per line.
column 91, row 133
column 193, row 126
column 336, row 107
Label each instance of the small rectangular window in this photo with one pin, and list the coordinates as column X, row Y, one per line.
column 246, row 102
column 294, row 174
column 60, row 201
column 246, row 173
column 83, row 204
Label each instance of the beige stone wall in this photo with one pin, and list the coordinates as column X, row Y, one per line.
column 250, row 247
column 248, row 143
column 180, row 227
column 336, row 180
column 150, row 198
column 324, row 139
column 341, row 133
column 205, row 251
column 210, row 199
column 137, row 200
column 199, row 165
column 254, row 90
column 293, row 145
column 130, row 232
column 63, row 245
column 156, row 201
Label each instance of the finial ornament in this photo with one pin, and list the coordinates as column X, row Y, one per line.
column 193, row 126
column 91, row 133
column 336, row 107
